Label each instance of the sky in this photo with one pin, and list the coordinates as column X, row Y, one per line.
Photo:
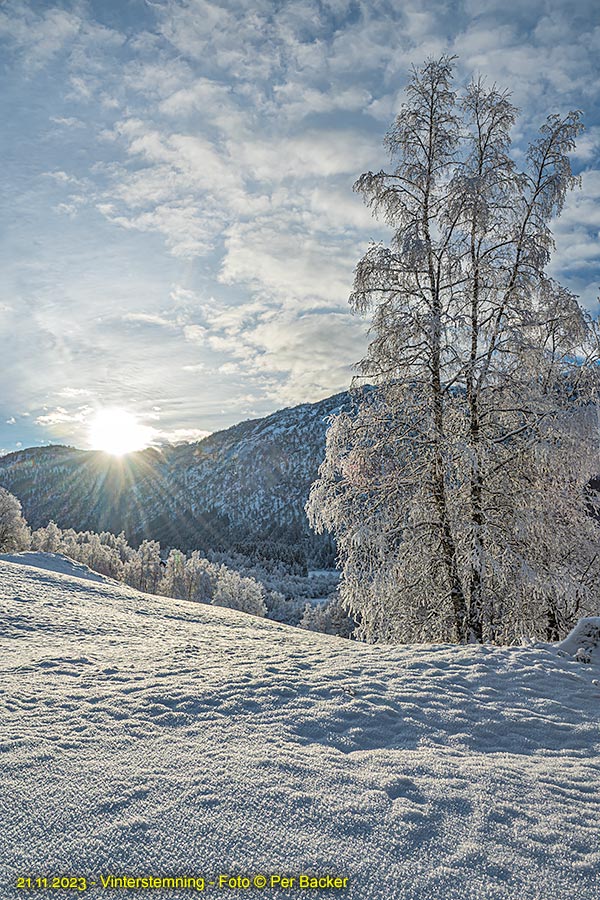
column 178, row 230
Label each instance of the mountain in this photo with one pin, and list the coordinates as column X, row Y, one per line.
column 143, row 736
column 244, row 487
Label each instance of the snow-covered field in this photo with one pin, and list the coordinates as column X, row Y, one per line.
column 147, row 736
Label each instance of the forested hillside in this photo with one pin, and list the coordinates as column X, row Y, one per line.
column 243, row 488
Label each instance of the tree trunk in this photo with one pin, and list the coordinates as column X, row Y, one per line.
column 552, row 626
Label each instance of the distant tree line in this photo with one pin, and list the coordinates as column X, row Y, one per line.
column 264, row 586
column 185, row 577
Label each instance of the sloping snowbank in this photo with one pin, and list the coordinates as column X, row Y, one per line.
column 55, row 562
column 147, row 736
column 584, row 640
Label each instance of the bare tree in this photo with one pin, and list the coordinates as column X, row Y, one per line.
column 485, row 371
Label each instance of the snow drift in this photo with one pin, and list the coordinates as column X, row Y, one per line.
column 583, row 641
column 55, row 562
column 146, row 736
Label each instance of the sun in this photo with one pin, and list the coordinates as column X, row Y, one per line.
column 117, row 432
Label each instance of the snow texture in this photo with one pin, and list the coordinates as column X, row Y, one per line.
column 55, row 562
column 142, row 734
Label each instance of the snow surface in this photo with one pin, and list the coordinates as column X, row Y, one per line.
column 55, row 562
column 141, row 734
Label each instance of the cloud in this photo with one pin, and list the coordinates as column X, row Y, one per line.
column 310, row 155
column 577, row 232
column 195, row 333
column 182, row 435
column 67, row 121
column 182, row 188
column 182, row 228
column 202, row 94
column 300, row 347
column 63, row 178
column 186, row 235
column 588, row 145
column 291, row 356
column 298, row 100
column 71, row 392
column 61, row 416
column 38, row 37
column 156, row 78
column 153, row 319
column 276, row 255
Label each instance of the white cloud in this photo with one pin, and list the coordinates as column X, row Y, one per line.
column 68, row 121
column 577, row 232
column 588, row 145
column 195, row 333
column 229, row 369
column 181, row 435
column 148, row 319
column 185, row 234
column 38, row 36
column 41, row 36
column 202, row 158
column 279, row 256
column 157, row 78
column 313, row 353
column 71, row 392
column 292, row 356
column 62, row 177
column 61, row 416
column 311, row 155
column 297, row 100
column 203, row 95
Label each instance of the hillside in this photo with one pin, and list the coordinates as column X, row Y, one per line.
column 240, row 486
column 148, row 736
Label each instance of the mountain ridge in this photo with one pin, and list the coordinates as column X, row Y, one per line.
column 244, row 485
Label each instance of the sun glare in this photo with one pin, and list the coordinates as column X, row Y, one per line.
column 117, row 432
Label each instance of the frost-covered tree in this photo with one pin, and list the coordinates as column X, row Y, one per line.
column 282, row 608
column 14, row 532
column 94, row 553
column 184, row 577
column 189, row 578
column 329, row 617
column 458, row 491
column 200, row 578
column 47, row 539
column 236, row 592
column 173, row 583
column 143, row 568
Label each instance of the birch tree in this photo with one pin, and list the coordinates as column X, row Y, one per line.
column 449, row 484
column 14, row 531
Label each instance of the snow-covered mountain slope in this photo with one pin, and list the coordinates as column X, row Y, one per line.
column 248, row 483
column 147, row 736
